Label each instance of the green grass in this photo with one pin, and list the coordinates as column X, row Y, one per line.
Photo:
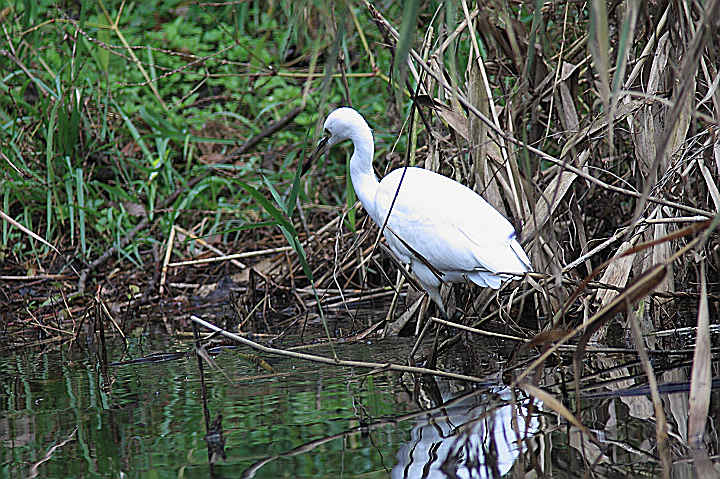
column 90, row 142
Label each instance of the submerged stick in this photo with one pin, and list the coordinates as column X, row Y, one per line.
column 334, row 362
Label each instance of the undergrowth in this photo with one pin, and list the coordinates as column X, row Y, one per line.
column 591, row 128
column 108, row 109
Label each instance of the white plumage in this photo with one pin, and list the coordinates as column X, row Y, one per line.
column 434, row 218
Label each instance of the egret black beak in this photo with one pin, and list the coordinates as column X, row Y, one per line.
column 319, row 151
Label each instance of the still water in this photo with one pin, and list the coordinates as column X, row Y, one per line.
column 62, row 417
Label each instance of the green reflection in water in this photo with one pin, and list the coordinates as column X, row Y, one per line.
column 149, row 422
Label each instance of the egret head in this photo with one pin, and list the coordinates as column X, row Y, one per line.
column 340, row 125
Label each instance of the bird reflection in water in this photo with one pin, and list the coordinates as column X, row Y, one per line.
column 475, row 436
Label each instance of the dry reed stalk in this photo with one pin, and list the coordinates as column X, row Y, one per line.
column 701, row 376
column 553, row 192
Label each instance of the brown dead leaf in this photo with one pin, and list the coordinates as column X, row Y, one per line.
column 549, row 401
column 592, row 453
column 679, row 404
column 682, row 125
column 566, row 106
column 211, row 158
column 660, row 253
column 617, row 272
column 639, row 407
column 4, row 13
column 130, row 148
column 393, row 329
column 545, row 337
column 646, row 123
column 484, row 148
column 701, row 379
column 455, row 119
column 134, row 209
column 712, row 186
column 550, row 199
column 263, row 267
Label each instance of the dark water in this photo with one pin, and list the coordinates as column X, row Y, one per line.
column 60, row 416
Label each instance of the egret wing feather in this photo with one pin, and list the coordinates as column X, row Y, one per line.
column 471, row 235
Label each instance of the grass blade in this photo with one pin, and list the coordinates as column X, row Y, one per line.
column 275, row 213
column 405, row 41
column 80, row 189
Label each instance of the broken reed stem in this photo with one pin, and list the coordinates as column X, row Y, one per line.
column 661, row 434
column 479, row 331
column 230, row 257
column 206, row 245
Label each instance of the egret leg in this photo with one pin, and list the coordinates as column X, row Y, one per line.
column 434, row 294
column 430, row 283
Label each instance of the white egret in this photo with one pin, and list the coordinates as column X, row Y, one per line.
column 442, row 229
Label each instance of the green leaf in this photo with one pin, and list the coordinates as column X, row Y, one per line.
column 134, row 133
column 80, row 190
column 407, row 35
column 292, row 198
column 275, row 213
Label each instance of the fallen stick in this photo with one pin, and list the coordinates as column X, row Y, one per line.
column 333, row 362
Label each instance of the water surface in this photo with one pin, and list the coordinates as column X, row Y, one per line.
column 62, row 416
column 147, row 421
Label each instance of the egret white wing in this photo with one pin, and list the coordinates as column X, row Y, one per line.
column 445, row 222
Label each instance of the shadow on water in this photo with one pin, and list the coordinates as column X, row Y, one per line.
column 62, row 415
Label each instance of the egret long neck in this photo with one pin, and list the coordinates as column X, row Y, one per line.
column 363, row 177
